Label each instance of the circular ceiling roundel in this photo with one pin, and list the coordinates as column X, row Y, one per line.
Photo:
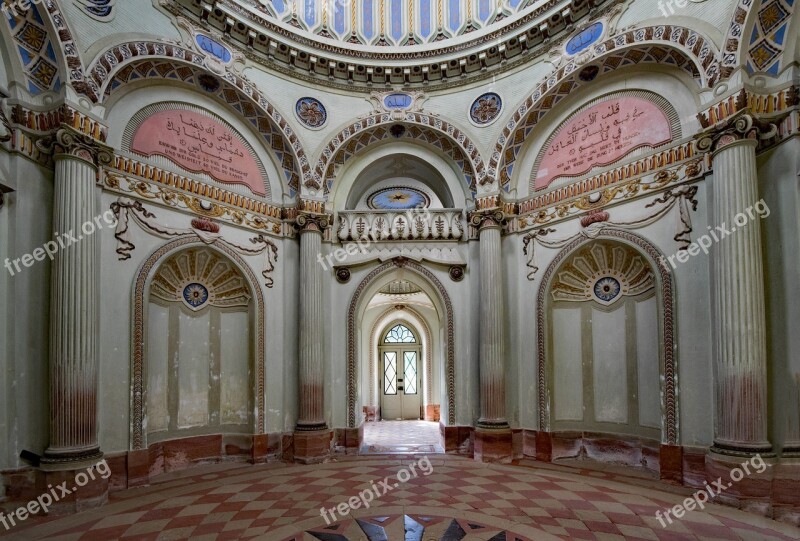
column 399, row 198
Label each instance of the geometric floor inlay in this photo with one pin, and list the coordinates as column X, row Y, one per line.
column 458, row 500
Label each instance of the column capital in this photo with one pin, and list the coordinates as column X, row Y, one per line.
column 70, row 142
column 307, row 222
column 488, row 219
column 740, row 127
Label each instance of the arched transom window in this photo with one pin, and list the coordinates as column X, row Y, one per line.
column 400, row 334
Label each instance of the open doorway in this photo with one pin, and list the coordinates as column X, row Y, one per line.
column 403, row 364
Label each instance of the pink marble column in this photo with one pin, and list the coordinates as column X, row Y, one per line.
column 73, row 306
column 739, row 310
column 312, row 437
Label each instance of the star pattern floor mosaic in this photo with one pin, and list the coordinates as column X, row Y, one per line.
column 459, row 500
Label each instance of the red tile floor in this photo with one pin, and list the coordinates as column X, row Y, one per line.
column 460, row 499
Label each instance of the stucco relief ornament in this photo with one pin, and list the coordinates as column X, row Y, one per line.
column 205, row 230
column 397, row 103
column 486, row 109
column 311, row 112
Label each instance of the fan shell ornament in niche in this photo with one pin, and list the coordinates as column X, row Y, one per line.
column 486, row 109
column 311, row 112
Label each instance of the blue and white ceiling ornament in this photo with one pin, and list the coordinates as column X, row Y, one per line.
column 396, row 102
column 398, row 198
column 486, row 109
column 388, row 22
column 311, row 112
column 195, row 295
column 101, row 10
column 585, row 38
column 213, row 47
column 35, row 50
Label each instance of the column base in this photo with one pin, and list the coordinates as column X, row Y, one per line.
column 312, row 446
column 750, row 491
column 66, row 460
column 721, row 447
column 84, row 491
column 493, row 445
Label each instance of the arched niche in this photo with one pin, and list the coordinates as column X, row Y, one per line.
column 198, row 345
column 643, row 301
column 434, row 172
column 138, row 99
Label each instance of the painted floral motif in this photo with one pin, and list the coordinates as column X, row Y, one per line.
column 195, row 295
column 607, row 289
column 486, row 108
column 311, row 112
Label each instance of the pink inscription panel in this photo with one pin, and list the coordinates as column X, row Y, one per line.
column 601, row 135
column 199, row 144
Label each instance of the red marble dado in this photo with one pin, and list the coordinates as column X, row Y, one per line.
column 753, row 492
column 93, row 494
column 432, row 413
column 671, row 463
column 457, row 440
column 694, row 466
column 493, row 445
column 313, row 446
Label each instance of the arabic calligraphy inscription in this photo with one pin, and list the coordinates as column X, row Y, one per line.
column 601, row 135
column 199, row 144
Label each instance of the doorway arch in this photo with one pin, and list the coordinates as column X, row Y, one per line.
column 356, row 305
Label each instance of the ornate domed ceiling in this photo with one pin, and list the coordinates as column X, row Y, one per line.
column 355, row 44
column 389, row 22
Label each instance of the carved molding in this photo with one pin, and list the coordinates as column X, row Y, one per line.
column 127, row 209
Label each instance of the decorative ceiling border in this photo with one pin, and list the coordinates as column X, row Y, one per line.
column 339, row 67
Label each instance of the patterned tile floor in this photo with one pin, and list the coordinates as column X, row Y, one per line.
column 459, row 500
column 401, row 437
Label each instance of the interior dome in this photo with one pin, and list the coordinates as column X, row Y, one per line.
column 389, row 22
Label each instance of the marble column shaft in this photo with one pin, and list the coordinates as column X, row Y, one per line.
column 741, row 384
column 492, row 358
column 73, row 317
column 311, row 415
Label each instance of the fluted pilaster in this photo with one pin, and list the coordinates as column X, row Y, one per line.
column 312, row 413
column 492, row 353
column 740, row 325
column 73, row 305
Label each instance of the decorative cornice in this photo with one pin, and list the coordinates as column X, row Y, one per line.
column 320, row 61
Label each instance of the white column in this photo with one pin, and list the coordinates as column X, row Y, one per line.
column 492, row 354
column 740, row 325
column 73, row 306
column 312, row 320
